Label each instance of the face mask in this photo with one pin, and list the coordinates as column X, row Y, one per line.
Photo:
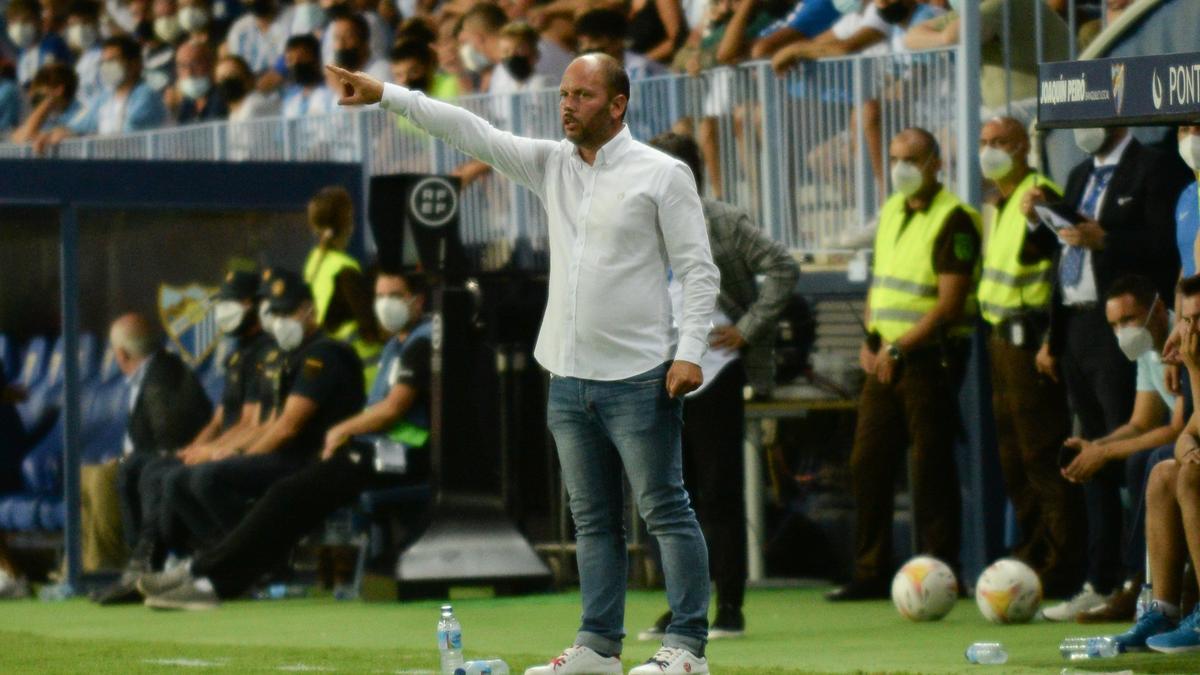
column 347, row 58
column 305, row 74
column 847, row 6
column 1136, row 340
column 229, row 315
column 192, row 19
column 194, row 87
column 307, row 17
column 520, row 67
column 289, row 333
column 894, row 13
column 472, row 59
column 264, row 316
column 80, row 36
column 22, row 34
column 1189, row 150
column 112, row 74
column 262, row 8
column 907, row 178
column 1090, row 140
column 167, row 28
column 994, row 163
column 232, row 89
column 393, row 313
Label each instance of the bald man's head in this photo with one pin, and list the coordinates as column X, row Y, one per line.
column 1007, row 135
column 611, row 70
column 133, row 340
column 592, row 99
column 918, row 149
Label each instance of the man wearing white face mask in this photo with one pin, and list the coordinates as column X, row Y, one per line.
column 1030, row 407
column 398, row 412
column 920, row 314
column 198, row 100
column 83, row 36
column 24, row 21
column 1123, row 195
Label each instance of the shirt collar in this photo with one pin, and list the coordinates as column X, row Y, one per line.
column 135, row 380
column 1114, row 155
column 615, row 147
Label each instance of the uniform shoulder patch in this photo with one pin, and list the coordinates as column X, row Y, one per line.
column 312, row 367
column 964, row 246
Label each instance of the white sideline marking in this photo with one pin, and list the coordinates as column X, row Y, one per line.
column 185, row 663
column 304, row 668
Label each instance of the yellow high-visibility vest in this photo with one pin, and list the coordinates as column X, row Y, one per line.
column 1008, row 287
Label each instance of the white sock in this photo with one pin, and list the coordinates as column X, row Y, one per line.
column 205, row 586
column 1169, row 610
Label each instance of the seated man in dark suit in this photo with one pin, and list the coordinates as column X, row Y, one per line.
column 168, row 407
column 399, row 410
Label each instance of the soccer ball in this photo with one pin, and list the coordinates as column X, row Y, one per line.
column 924, row 589
column 1008, row 592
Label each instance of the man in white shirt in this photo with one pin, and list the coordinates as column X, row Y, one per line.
column 621, row 217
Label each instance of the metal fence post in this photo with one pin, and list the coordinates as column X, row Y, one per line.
column 770, row 152
column 69, row 297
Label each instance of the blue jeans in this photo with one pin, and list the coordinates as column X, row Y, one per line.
column 598, row 428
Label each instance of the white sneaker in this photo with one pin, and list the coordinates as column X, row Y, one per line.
column 580, row 660
column 1084, row 600
column 672, row 660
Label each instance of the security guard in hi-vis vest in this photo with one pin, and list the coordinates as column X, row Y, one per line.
column 921, row 310
column 1030, row 408
column 341, row 296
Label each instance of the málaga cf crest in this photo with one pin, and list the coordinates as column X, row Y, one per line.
column 188, row 319
column 1118, row 85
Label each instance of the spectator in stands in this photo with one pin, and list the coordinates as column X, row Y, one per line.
column 380, row 34
column 308, row 17
column 306, row 93
column 235, row 84
column 1173, row 514
column 1022, row 54
column 83, row 36
column 127, row 103
column 1123, row 196
column 854, row 32
column 606, row 31
column 446, row 47
column 657, row 28
column 398, row 413
column 414, row 66
column 158, row 50
column 10, row 97
column 167, row 406
column 37, row 44
column 516, row 69
column 479, row 39
column 195, row 18
column 807, row 20
column 919, row 314
column 741, row 351
column 352, row 47
column 197, row 100
column 260, row 38
column 52, row 102
column 319, row 384
column 1113, row 9
column 341, row 294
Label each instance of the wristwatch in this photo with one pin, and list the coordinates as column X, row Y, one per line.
column 894, row 353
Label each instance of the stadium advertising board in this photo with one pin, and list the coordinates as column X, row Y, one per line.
column 1155, row 89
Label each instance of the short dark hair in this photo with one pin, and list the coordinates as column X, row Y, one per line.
column 307, row 41
column 412, row 48
column 602, row 23
column 489, row 14
column 24, row 6
column 1189, row 286
column 57, row 74
column 1141, row 288
column 684, row 148
column 418, row 282
column 129, row 48
column 361, row 28
column 415, row 28
column 87, row 9
column 522, row 32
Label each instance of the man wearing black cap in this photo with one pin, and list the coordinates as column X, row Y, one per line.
column 235, row 417
column 318, row 382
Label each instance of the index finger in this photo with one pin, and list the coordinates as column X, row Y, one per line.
column 340, row 72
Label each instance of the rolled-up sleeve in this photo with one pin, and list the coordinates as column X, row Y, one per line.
column 681, row 220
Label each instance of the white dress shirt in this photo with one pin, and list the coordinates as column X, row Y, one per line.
column 616, row 227
column 1085, row 292
column 134, row 382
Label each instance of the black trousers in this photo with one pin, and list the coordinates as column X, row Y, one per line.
column 292, row 508
column 1100, row 388
column 714, row 474
column 129, row 475
column 210, row 499
column 150, row 548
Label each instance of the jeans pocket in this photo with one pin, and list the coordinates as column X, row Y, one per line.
column 656, row 375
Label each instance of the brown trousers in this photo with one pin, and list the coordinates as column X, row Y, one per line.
column 1032, row 420
column 919, row 413
column 103, row 544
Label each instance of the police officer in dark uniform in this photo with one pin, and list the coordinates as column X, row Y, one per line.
column 398, row 421
column 316, row 382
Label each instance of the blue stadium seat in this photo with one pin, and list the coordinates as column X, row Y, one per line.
column 33, row 361
column 104, row 421
column 28, row 512
column 39, row 411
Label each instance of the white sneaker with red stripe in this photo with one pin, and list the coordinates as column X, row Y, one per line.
column 579, row 660
column 672, row 660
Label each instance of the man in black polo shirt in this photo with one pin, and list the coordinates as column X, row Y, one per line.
column 398, row 414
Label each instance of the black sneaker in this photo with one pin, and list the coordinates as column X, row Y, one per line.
column 123, row 591
column 729, row 624
column 859, row 589
column 656, row 632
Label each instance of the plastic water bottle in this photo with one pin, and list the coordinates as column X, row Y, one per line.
column 56, row 592
column 987, row 654
column 1077, row 649
column 449, row 633
column 1144, row 601
column 488, row 667
column 282, row 591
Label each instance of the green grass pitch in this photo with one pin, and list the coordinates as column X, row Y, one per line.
column 789, row 631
